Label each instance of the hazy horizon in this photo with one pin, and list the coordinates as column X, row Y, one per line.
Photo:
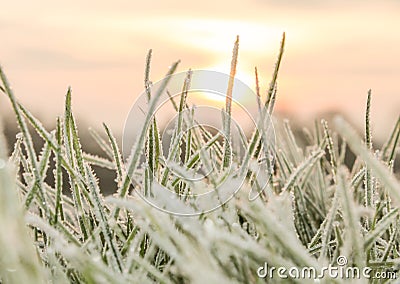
column 335, row 52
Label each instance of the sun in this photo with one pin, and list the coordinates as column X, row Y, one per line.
column 243, row 75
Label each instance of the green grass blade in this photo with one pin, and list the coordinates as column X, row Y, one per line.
column 380, row 228
column 28, row 140
column 102, row 143
column 272, row 85
column 116, row 153
column 381, row 172
column 58, row 175
column 368, row 141
column 228, row 106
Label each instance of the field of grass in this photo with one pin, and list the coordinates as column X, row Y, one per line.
column 315, row 211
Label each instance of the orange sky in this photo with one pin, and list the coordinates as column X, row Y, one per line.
column 335, row 52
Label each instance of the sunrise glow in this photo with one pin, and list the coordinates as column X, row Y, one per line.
column 334, row 53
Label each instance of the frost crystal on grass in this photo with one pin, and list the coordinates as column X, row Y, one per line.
column 286, row 204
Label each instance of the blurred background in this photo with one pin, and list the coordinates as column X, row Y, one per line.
column 335, row 51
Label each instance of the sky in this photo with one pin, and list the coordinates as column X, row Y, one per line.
column 335, row 51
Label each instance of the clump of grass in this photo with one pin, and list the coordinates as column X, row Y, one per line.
column 315, row 209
